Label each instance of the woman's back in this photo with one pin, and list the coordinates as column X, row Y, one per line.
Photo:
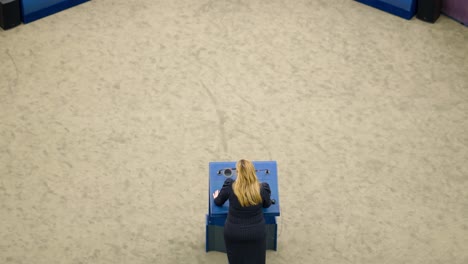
column 251, row 214
column 244, row 222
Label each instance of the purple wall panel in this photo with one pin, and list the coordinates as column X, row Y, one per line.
column 457, row 9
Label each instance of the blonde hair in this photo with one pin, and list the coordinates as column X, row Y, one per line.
column 246, row 187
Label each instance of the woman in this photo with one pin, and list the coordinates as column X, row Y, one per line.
column 244, row 229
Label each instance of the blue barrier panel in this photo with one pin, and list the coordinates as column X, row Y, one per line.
column 402, row 8
column 35, row 9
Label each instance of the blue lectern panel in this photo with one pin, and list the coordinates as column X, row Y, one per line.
column 402, row 8
column 217, row 180
column 403, row 4
column 36, row 9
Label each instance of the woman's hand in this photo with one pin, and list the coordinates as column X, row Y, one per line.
column 215, row 194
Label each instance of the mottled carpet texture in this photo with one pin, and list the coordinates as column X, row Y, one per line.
column 111, row 111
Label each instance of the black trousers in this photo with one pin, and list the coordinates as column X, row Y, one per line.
column 245, row 244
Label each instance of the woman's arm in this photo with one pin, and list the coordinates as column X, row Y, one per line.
column 265, row 192
column 221, row 196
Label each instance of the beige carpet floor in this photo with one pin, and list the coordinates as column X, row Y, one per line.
column 111, row 111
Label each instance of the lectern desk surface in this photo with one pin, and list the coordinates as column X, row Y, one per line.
column 266, row 172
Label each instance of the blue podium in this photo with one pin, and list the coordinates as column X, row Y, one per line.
column 218, row 172
column 35, row 9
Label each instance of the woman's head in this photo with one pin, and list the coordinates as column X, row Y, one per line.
column 246, row 171
column 246, row 187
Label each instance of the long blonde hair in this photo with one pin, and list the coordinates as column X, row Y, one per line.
column 246, row 187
